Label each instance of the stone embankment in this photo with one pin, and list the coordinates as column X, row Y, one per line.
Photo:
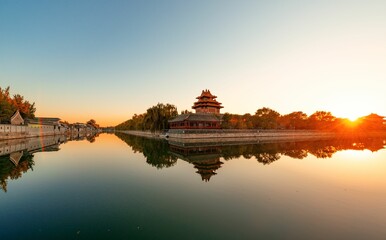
column 148, row 134
column 231, row 135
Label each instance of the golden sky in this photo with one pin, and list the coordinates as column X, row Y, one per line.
column 107, row 61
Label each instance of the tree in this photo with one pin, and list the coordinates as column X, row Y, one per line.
column 226, row 121
column 266, row 118
column 294, row 120
column 157, row 117
column 6, row 111
column 372, row 122
column 8, row 105
column 321, row 120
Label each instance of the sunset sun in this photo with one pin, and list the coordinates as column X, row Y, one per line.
column 351, row 111
column 353, row 117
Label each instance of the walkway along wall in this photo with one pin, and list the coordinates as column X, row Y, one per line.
column 190, row 136
column 234, row 133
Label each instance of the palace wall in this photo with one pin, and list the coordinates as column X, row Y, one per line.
column 8, row 131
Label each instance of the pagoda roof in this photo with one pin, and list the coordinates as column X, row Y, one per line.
column 206, row 104
column 206, row 93
column 206, row 99
column 203, row 117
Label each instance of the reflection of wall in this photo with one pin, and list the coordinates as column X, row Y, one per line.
column 16, row 156
column 30, row 144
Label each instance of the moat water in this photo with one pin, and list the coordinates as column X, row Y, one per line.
column 126, row 187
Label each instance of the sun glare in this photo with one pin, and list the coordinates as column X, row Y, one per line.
column 357, row 155
column 351, row 109
column 352, row 116
column 353, row 119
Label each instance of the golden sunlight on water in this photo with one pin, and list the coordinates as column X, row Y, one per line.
column 322, row 191
column 336, row 194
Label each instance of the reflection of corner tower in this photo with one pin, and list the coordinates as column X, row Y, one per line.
column 205, row 159
column 207, row 103
column 207, row 168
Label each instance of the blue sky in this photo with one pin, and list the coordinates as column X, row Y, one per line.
column 110, row 59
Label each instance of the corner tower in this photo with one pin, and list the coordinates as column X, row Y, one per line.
column 207, row 103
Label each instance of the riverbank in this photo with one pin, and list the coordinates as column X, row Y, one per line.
column 147, row 134
column 250, row 133
column 243, row 136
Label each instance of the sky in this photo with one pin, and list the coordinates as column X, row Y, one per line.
column 107, row 60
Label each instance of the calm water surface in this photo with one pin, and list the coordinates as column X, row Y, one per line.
column 125, row 187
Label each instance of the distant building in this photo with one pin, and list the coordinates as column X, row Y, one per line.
column 44, row 121
column 44, row 125
column 207, row 114
column 17, row 119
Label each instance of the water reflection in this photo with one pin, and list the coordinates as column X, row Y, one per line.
column 16, row 156
column 267, row 153
column 205, row 159
column 206, row 156
column 12, row 171
column 155, row 151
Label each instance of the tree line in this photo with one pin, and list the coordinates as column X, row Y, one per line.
column 9, row 104
column 266, row 118
column 156, row 119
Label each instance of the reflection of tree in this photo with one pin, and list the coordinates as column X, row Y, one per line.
column 267, row 158
column 9, row 171
column 155, row 151
column 157, row 154
column 296, row 153
column 323, row 152
column 267, row 153
column 91, row 138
